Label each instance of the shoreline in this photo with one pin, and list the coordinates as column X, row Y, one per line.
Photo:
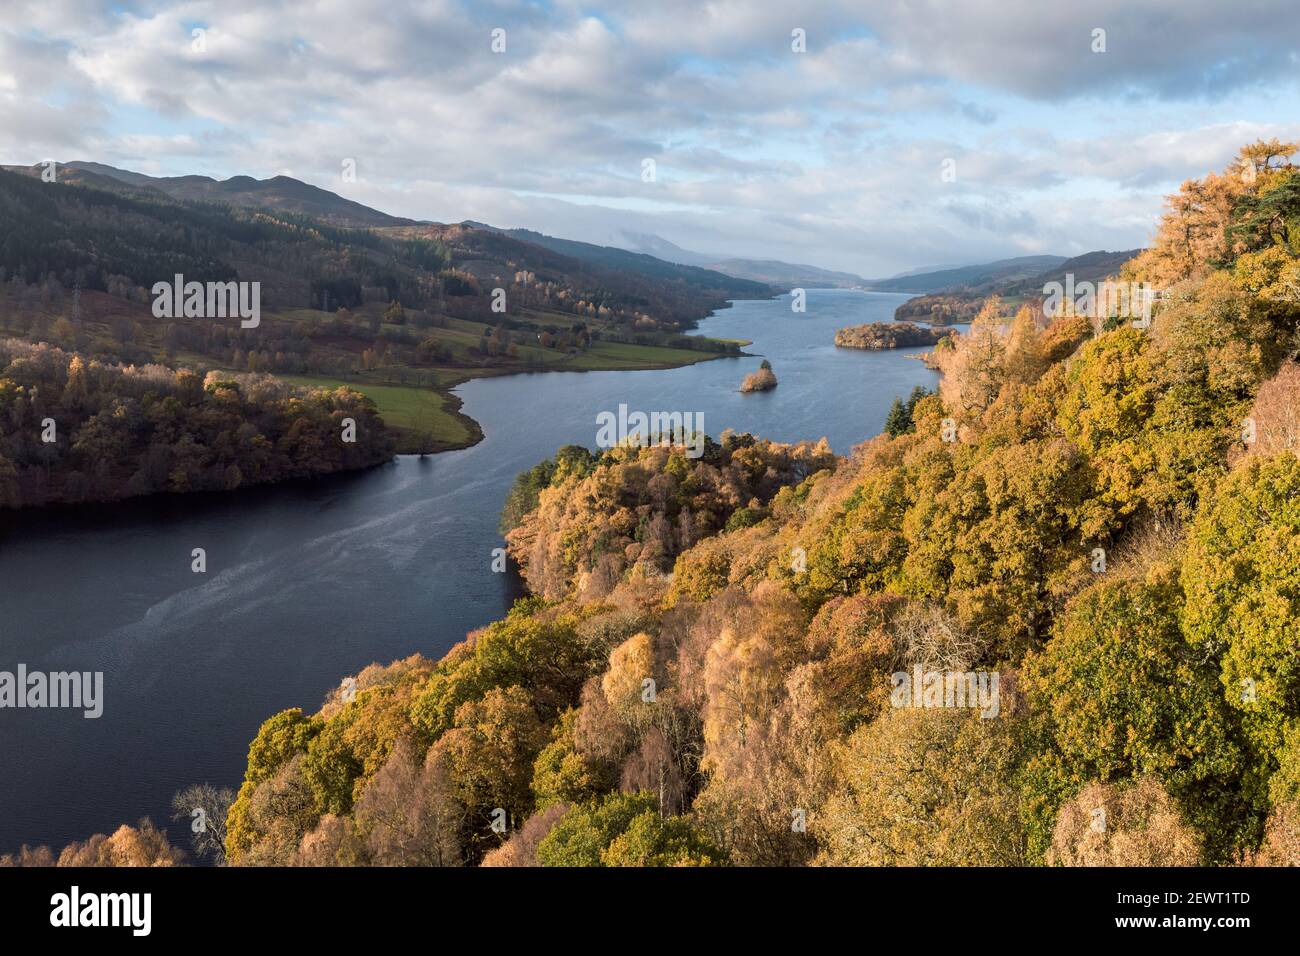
column 404, row 438
column 454, row 403
column 449, row 392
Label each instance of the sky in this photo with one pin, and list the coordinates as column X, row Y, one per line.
column 873, row 137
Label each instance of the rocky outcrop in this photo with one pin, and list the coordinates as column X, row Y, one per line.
column 761, row 381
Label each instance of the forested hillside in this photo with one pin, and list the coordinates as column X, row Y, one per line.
column 281, row 194
column 400, row 316
column 73, row 430
column 961, row 300
column 122, row 240
column 637, row 262
column 1105, row 520
column 985, row 274
column 90, row 231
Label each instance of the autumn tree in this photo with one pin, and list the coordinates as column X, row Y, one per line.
column 624, row 830
column 1134, row 824
column 408, row 814
column 1242, row 578
column 489, row 753
column 974, row 369
column 142, row 845
column 1122, row 695
column 925, row 788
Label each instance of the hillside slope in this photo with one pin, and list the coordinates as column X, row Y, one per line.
column 613, row 258
column 277, row 194
column 783, row 275
column 960, row 303
column 1040, row 595
column 389, row 311
column 985, row 274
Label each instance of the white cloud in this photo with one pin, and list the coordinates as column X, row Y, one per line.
column 830, row 156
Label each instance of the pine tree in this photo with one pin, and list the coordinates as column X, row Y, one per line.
column 899, row 420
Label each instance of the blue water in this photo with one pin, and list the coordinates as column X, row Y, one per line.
column 311, row 582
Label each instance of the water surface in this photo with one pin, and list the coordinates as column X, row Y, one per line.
column 311, row 582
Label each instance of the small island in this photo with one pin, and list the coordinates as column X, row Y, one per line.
column 763, row 380
column 889, row 335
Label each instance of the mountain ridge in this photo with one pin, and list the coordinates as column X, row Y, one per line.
column 1020, row 267
column 770, row 271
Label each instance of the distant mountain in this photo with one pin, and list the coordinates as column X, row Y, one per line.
column 942, row 267
column 113, row 233
column 111, row 172
column 109, row 233
column 611, row 257
column 784, row 275
column 972, row 278
column 279, row 194
column 88, row 174
column 661, row 248
column 789, row 274
column 1089, row 267
column 961, row 303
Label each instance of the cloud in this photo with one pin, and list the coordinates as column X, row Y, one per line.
column 63, row 116
column 1172, row 49
column 830, row 156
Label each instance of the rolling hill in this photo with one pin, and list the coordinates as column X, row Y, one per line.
column 988, row 274
column 611, row 257
column 390, row 310
column 381, row 250
column 1089, row 267
column 960, row 303
column 277, row 194
column 774, row 272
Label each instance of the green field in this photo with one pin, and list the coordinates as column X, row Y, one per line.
column 410, row 387
column 619, row 355
column 424, row 419
column 425, row 416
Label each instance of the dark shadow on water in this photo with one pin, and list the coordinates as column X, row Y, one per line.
column 165, row 509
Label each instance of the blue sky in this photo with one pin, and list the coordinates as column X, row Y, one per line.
column 832, row 156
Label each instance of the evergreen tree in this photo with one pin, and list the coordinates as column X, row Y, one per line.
column 899, row 420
